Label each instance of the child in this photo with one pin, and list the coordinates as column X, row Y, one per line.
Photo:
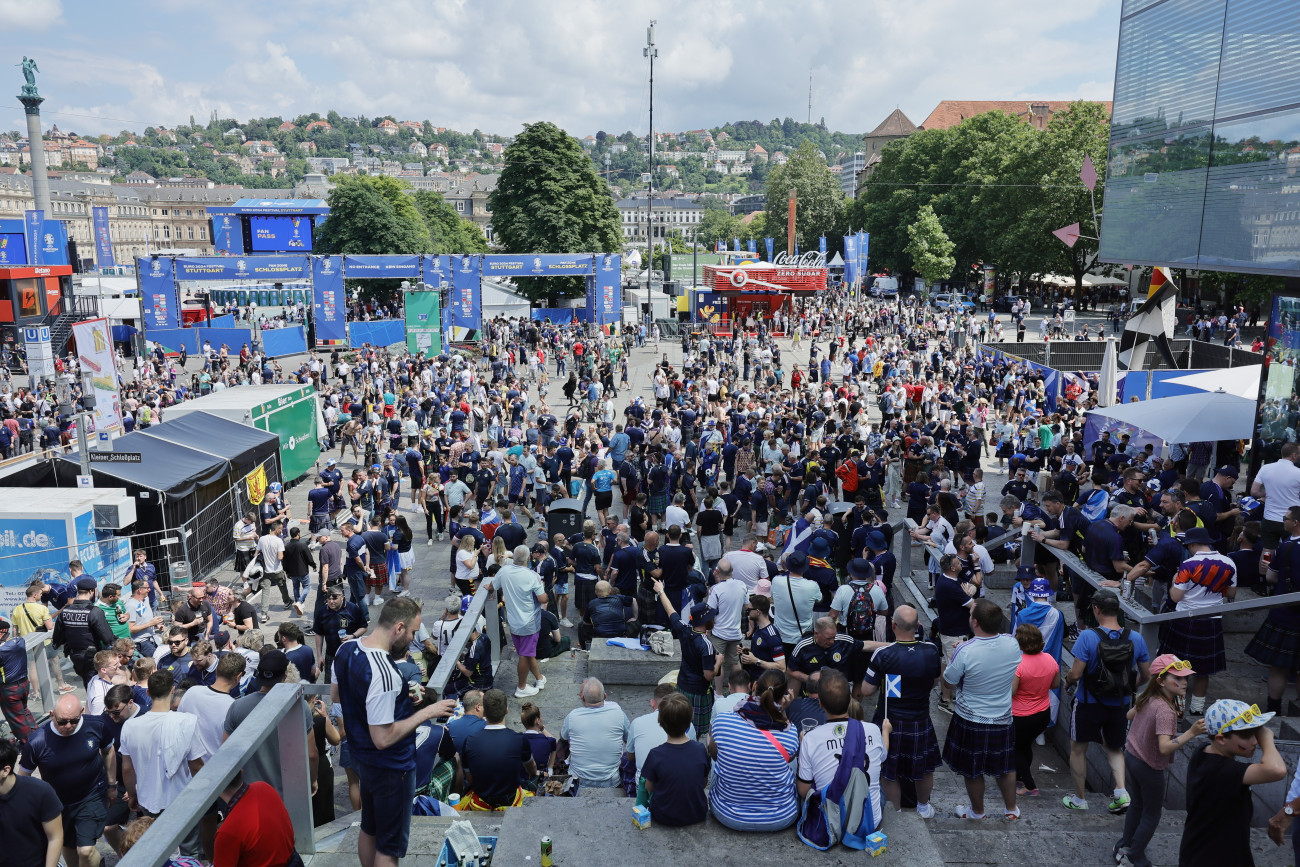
column 1217, row 830
column 539, row 740
column 676, row 772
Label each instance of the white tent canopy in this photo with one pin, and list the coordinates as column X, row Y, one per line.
column 500, row 300
column 1241, row 381
column 1190, row 417
column 1088, row 280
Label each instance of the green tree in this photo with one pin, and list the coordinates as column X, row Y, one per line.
column 373, row 215
column 929, row 247
column 448, row 230
column 821, row 203
column 717, row 225
column 549, row 199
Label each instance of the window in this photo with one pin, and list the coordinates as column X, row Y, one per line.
column 460, row 206
column 167, row 232
column 203, row 233
column 189, row 232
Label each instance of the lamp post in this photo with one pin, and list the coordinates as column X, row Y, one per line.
column 651, row 52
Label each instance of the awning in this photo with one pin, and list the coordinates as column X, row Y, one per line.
column 1189, row 418
column 167, row 467
column 243, row 445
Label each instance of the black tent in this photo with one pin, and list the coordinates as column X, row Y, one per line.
column 171, row 484
column 243, row 445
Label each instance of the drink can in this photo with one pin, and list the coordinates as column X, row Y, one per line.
column 546, row 852
column 1152, row 535
column 1126, row 589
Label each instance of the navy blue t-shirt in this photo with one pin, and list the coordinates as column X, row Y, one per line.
column 72, row 764
column 950, row 604
column 679, row 774
column 1102, row 545
column 697, row 657
column 918, row 663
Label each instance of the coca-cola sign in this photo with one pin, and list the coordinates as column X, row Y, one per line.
column 811, row 259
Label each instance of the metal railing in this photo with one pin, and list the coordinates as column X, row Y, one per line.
column 279, row 715
column 480, row 605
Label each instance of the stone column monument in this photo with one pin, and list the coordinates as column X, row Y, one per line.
column 31, row 101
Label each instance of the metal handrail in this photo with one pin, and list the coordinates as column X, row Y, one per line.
column 446, row 666
column 276, row 716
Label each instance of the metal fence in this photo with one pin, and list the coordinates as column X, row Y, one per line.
column 1087, row 355
column 207, row 538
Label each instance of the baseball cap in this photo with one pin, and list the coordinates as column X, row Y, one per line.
column 702, row 613
column 331, row 462
column 1230, row 715
column 85, row 582
column 272, row 667
column 1168, row 662
column 1041, row 588
column 1229, row 471
column 4, row 624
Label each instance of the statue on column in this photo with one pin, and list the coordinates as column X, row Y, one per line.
column 29, row 73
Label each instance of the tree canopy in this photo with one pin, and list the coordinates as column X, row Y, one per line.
column 448, row 230
column 929, row 247
column 549, row 199
column 820, row 206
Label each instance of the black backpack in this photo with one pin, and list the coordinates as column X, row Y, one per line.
column 1113, row 676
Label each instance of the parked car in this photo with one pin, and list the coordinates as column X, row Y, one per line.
column 956, row 301
column 884, row 287
column 1004, row 303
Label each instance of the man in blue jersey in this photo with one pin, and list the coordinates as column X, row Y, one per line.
column 75, row 755
column 380, row 719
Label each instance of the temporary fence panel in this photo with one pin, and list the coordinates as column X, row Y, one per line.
column 383, row 332
column 278, row 342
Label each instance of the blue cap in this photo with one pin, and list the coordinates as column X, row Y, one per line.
column 1041, row 588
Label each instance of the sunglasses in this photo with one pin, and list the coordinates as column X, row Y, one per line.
column 180, row 643
column 1247, row 716
column 76, row 719
column 114, row 711
column 1176, row 666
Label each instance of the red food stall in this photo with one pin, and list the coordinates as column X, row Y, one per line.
column 759, row 290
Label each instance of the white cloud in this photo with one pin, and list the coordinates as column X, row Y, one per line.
column 494, row 66
column 36, row 15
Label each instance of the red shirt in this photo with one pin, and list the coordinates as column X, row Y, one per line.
column 257, row 833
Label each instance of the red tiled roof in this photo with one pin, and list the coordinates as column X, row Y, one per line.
column 951, row 112
column 896, row 124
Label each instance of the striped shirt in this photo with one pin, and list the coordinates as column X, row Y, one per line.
column 752, row 781
column 372, row 692
column 1204, row 577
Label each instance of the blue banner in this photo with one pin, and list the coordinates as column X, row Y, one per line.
column 13, row 249
column 864, row 241
column 436, row 269
column 328, row 304
column 821, row 244
column 103, row 239
column 54, row 243
column 851, row 274
column 609, row 290
column 466, row 297
column 537, row 265
column 275, row 268
column 752, row 245
column 233, row 339
column 735, row 244
column 770, row 255
column 557, row 315
column 227, row 236
column 277, row 342
column 361, row 267
column 173, row 339
column 157, row 293
column 34, row 229
column 227, row 321
column 383, row 332
column 279, row 234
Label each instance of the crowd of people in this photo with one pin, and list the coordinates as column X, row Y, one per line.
column 743, row 497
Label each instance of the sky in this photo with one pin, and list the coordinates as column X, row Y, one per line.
column 497, row 64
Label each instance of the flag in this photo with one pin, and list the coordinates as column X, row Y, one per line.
column 821, row 244
column 257, row 486
column 768, row 242
column 735, row 244
column 894, row 686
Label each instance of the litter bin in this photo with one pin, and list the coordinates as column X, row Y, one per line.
column 564, row 516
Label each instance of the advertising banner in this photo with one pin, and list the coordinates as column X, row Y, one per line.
column 769, row 244
column 466, row 297
column 275, row 268
column 752, row 245
column 328, row 305
column 99, row 371
column 821, row 244
column 537, row 265
column 864, row 241
column 54, row 243
column 157, row 293
column 378, row 332
column 13, row 250
column 851, row 274
column 103, row 239
column 34, row 229
column 437, row 269
column 278, row 342
column 227, row 236
column 280, row 234
column 362, row 267
column 735, row 245
column 609, row 289
column 423, row 323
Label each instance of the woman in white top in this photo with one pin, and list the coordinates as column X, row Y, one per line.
column 467, row 571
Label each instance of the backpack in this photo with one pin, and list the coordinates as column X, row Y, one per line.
column 861, row 616
column 1095, row 506
column 1114, row 675
column 847, row 473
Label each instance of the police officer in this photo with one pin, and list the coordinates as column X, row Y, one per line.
column 338, row 621
column 82, row 630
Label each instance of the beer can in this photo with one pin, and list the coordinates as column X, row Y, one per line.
column 546, row 852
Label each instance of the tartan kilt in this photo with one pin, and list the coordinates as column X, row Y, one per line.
column 974, row 749
column 381, row 575
column 1276, row 646
column 657, row 503
column 913, row 750
column 702, row 705
column 1198, row 640
column 439, row 783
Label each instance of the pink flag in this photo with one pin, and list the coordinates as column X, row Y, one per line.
column 1069, row 235
column 1088, row 175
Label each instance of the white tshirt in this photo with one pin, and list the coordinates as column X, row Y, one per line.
column 145, row 740
column 1281, row 481
column 269, row 549
column 209, row 707
column 675, row 514
column 728, row 598
column 646, row 734
column 819, row 756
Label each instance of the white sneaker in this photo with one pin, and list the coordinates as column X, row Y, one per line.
column 297, row 607
column 1041, row 740
column 541, row 684
column 566, row 623
column 526, row 692
column 429, row 543
column 925, row 811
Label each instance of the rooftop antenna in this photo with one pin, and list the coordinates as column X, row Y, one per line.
column 810, row 96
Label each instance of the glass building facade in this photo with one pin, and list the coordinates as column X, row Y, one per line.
column 1204, row 162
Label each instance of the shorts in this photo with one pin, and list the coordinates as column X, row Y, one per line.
column 1095, row 723
column 525, row 645
column 83, row 822
column 386, row 796
column 561, row 588
column 604, row 499
column 406, row 559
